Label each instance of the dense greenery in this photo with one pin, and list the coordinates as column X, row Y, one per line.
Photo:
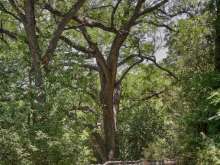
column 68, row 67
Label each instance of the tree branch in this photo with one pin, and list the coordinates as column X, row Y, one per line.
column 60, row 28
column 30, row 29
column 75, row 46
column 149, row 96
column 128, row 69
column 113, row 13
column 159, row 66
column 2, row 8
column 151, row 9
column 120, row 38
column 85, row 21
column 86, row 65
column 96, row 52
column 18, row 11
column 48, row 7
column 126, row 60
column 158, row 24
column 8, row 33
column 137, row 101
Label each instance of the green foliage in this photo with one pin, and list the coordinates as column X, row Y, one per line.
column 198, row 90
column 209, row 154
column 158, row 118
column 140, row 126
column 141, row 121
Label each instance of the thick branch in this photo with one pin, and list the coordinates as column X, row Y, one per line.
column 96, row 52
column 120, row 38
column 83, row 21
column 60, row 28
column 30, row 27
column 124, row 30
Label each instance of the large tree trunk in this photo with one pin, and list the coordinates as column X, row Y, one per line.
column 109, row 118
column 109, row 97
column 217, row 39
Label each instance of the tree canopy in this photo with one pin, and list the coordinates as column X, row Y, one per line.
column 90, row 81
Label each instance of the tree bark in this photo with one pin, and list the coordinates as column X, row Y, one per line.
column 36, row 72
column 109, row 98
column 109, row 116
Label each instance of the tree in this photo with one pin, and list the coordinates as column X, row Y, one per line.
column 119, row 29
column 198, row 85
column 107, row 62
column 107, row 38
